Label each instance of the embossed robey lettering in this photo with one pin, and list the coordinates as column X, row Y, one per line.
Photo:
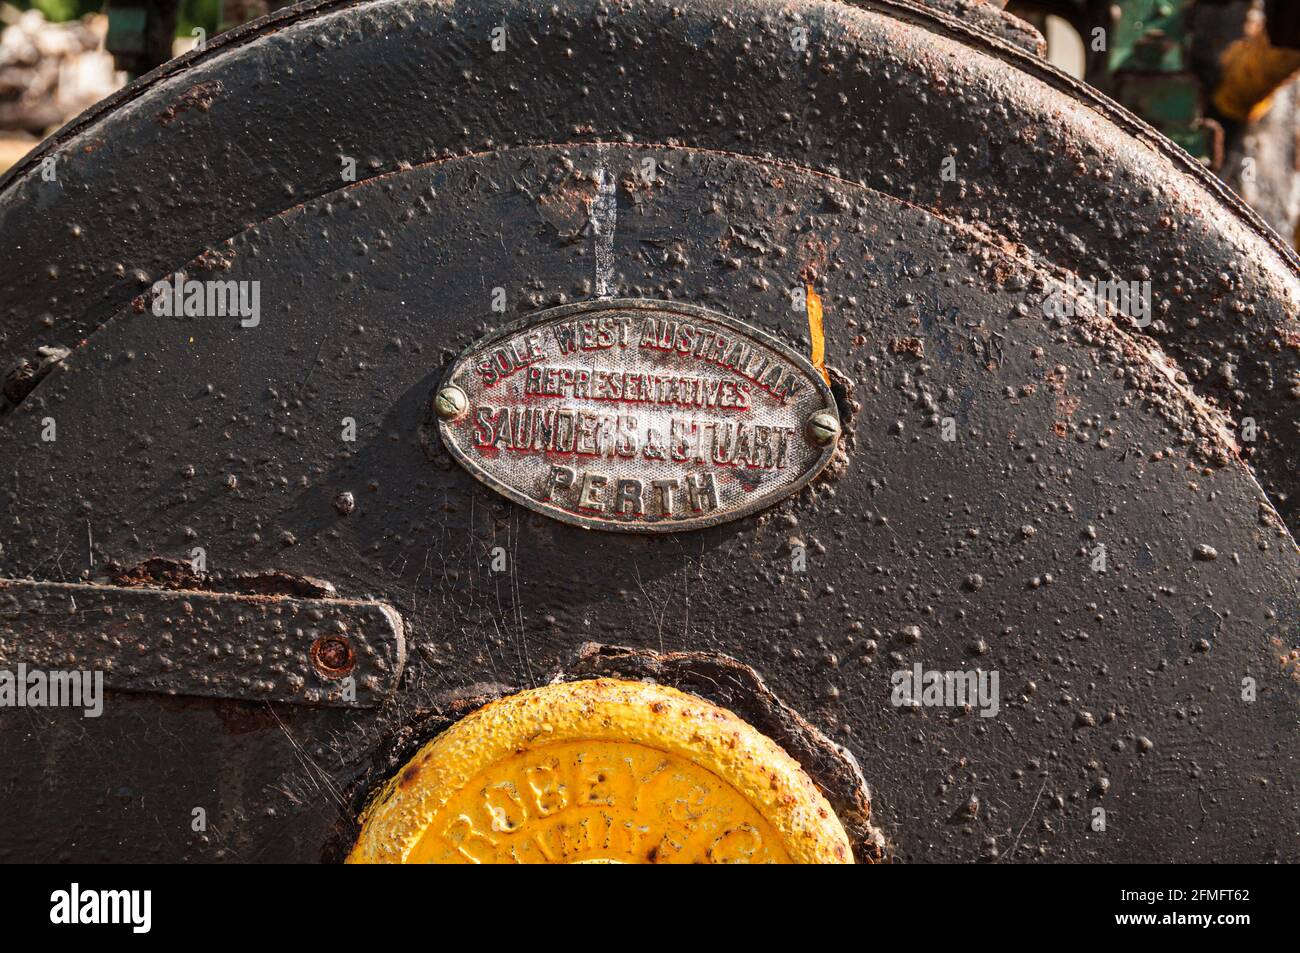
column 599, row 802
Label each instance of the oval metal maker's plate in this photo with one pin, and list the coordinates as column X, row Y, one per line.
column 634, row 415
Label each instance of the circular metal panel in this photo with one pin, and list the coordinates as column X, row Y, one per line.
column 1121, row 685
column 880, row 93
column 601, row 771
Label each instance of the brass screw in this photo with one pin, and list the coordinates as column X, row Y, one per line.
column 823, row 428
column 450, row 402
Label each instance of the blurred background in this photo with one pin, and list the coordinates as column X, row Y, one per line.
column 1219, row 77
column 57, row 57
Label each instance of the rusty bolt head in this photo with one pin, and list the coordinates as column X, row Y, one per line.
column 450, row 402
column 823, row 428
column 333, row 656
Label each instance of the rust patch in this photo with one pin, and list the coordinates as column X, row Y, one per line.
column 162, row 573
column 1055, row 379
column 200, row 97
column 159, row 572
column 1003, row 271
column 212, row 260
column 567, row 207
column 914, row 347
column 408, row 776
column 816, row 252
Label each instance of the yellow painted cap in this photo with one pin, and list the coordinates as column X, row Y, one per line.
column 601, row 771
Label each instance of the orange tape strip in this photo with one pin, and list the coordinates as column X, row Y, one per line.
column 817, row 332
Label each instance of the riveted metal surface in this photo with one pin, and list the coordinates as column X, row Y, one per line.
column 254, row 647
column 638, row 416
column 775, row 169
column 601, row 771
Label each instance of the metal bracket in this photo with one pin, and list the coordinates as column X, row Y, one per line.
column 328, row 652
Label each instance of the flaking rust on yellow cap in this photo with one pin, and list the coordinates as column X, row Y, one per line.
column 601, row 771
